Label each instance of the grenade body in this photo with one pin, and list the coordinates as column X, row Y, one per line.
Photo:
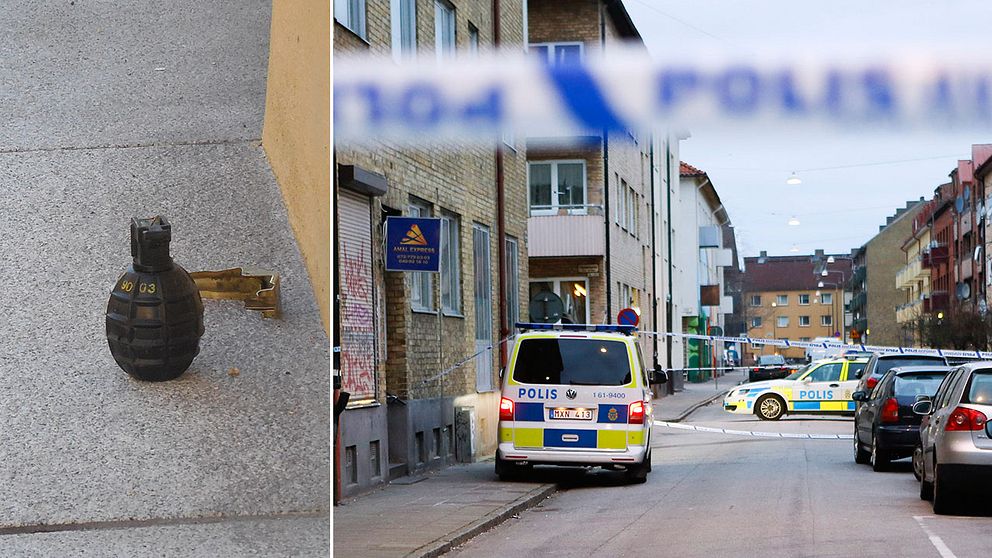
column 154, row 315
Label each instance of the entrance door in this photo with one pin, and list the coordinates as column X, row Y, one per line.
column 483, row 308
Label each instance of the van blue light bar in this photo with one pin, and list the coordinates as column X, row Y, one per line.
column 602, row 328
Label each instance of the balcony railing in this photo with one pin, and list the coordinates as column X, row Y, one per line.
column 911, row 273
column 909, row 312
column 858, row 301
column 573, row 231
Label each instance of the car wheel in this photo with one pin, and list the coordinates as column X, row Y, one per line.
column 945, row 501
column 918, row 463
column 638, row 474
column 507, row 471
column 861, row 457
column 770, row 407
column 879, row 459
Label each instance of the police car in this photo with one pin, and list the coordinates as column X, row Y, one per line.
column 822, row 387
column 578, row 395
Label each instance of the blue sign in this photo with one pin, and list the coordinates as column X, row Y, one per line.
column 413, row 244
column 629, row 317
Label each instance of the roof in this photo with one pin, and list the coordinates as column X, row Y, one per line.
column 625, row 25
column 792, row 273
column 685, row 169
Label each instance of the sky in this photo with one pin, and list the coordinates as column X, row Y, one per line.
column 838, row 208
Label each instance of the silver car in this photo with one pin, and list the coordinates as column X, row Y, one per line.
column 956, row 441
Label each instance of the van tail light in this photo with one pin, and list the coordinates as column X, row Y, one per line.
column 505, row 409
column 635, row 414
column 890, row 410
column 755, row 369
column 872, row 382
column 964, row 419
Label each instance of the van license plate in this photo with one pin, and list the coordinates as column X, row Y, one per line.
column 571, row 414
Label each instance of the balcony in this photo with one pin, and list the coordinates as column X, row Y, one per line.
column 573, row 232
column 935, row 255
column 938, row 302
column 913, row 272
column 858, row 301
column 860, row 273
column 909, row 312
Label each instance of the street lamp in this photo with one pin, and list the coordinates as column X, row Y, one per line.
column 833, row 324
column 793, row 179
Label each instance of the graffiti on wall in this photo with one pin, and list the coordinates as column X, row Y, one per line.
column 357, row 325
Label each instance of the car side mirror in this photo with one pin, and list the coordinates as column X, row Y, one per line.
column 807, row 380
column 924, row 407
column 860, row 395
column 921, row 397
column 658, row 376
column 502, row 371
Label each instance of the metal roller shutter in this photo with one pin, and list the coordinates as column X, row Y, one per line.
column 357, row 313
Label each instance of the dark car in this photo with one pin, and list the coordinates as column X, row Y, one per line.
column 885, row 426
column 770, row 367
column 879, row 364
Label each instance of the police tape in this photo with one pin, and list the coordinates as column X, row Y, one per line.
column 464, row 361
column 953, row 353
column 712, row 430
column 377, row 99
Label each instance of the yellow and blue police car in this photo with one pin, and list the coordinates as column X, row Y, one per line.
column 578, row 395
column 823, row 387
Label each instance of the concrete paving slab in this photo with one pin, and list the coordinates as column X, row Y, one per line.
column 84, row 442
column 98, row 73
column 676, row 407
column 248, row 537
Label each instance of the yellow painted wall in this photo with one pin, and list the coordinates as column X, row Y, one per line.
column 296, row 133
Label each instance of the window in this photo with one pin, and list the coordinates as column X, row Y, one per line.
column 755, row 322
column 827, row 373
column 805, row 339
column 351, row 14
column 556, row 185
column 572, row 361
column 826, row 320
column 483, row 308
column 473, row 40
column 574, row 295
column 512, row 274
column 782, row 300
column 403, row 15
column 558, row 53
column 755, row 300
column 444, row 29
column 782, row 321
column 804, row 299
column 803, row 321
column 621, row 212
column 631, row 205
column 451, row 293
column 827, row 298
column 421, row 285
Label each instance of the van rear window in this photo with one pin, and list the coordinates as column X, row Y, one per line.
column 572, row 362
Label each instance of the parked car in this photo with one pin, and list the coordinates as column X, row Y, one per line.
column 879, row 364
column 769, row 367
column 955, row 437
column 885, row 426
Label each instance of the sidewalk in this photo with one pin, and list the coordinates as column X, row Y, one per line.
column 427, row 516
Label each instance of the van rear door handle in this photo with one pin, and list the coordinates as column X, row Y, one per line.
column 834, row 385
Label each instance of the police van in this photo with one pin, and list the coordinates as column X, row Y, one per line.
column 820, row 388
column 577, row 395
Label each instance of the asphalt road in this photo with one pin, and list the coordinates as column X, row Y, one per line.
column 720, row 495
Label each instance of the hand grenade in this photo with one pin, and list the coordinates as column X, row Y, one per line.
column 155, row 315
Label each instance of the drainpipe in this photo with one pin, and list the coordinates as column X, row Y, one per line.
column 606, row 187
column 654, row 260
column 504, row 328
column 671, row 287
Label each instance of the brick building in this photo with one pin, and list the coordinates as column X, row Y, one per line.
column 876, row 297
column 398, row 330
column 595, row 227
column 788, row 297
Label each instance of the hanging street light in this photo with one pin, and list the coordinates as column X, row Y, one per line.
column 793, row 179
column 793, row 221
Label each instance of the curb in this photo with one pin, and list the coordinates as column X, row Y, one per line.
column 451, row 540
column 696, row 406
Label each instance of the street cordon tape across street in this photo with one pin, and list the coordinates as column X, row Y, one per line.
column 482, row 96
column 709, row 429
column 826, row 345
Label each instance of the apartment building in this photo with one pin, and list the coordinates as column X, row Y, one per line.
column 790, row 298
column 397, row 331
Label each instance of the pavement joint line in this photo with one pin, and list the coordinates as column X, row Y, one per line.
column 152, row 522
column 18, row 150
column 447, row 542
column 757, row 434
column 696, row 406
